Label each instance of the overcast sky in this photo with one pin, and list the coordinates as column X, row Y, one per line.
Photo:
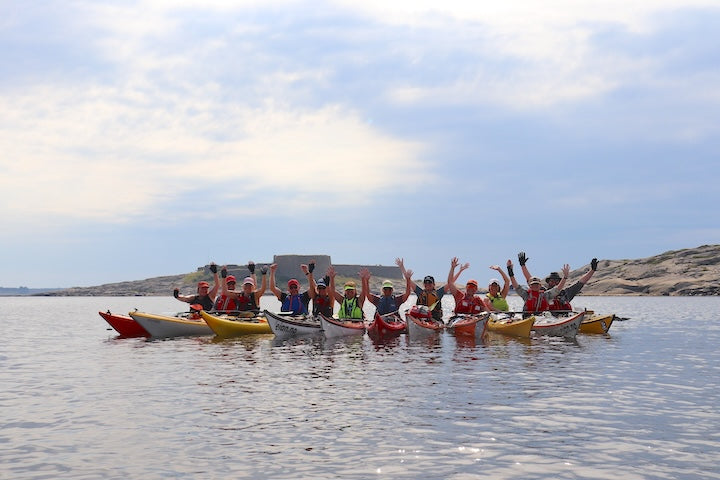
column 147, row 138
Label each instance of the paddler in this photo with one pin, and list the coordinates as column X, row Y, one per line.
column 496, row 298
column 387, row 302
column 350, row 302
column 248, row 299
column 205, row 296
column 431, row 297
column 465, row 302
column 535, row 299
column 292, row 300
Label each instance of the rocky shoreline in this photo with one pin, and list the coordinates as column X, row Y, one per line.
column 687, row 272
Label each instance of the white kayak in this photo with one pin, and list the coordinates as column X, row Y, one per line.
column 560, row 326
column 285, row 325
column 183, row 325
column 333, row 327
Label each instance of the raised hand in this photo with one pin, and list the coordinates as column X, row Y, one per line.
column 522, row 258
column 213, row 268
column 223, row 272
column 566, row 270
column 311, row 266
column 176, row 293
column 251, row 267
column 263, row 269
column 593, row 264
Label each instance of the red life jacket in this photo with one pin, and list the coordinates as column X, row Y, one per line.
column 559, row 304
column 322, row 304
column 246, row 302
column 225, row 304
column 473, row 305
column 536, row 302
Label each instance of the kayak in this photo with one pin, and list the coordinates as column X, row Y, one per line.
column 333, row 327
column 182, row 325
column 596, row 323
column 233, row 326
column 284, row 325
column 124, row 325
column 468, row 325
column 560, row 326
column 386, row 325
column 420, row 322
column 509, row 324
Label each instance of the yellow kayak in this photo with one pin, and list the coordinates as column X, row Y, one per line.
column 596, row 323
column 510, row 324
column 233, row 326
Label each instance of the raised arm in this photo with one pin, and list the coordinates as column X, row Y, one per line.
column 263, row 286
column 273, row 288
column 463, row 267
column 312, row 288
column 454, row 262
column 506, row 280
column 337, row 296
column 409, row 285
column 522, row 259
column 216, row 281
column 593, row 268
column 365, row 284
column 511, row 274
column 361, row 295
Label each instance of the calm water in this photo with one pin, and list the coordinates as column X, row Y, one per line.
column 78, row 402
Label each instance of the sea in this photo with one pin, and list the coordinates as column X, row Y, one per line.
column 79, row 402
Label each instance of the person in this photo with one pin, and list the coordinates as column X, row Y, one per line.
column 468, row 301
column 535, row 299
column 496, row 298
column 387, row 302
column 248, row 299
column 323, row 303
column 223, row 302
column 351, row 303
column 294, row 301
column 431, row 297
column 205, row 296
column 565, row 296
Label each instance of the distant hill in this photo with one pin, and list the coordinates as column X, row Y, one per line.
column 4, row 291
column 692, row 271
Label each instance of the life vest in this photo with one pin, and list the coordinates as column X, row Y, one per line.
column 472, row 305
column 349, row 308
column 428, row 299
column 246, row 302
column 204, row 300
column 499, row 303
column 322, row 304
column 386, row 304
column 560, row 302
column 225, row 304
column 293, row 303
column 536, row 302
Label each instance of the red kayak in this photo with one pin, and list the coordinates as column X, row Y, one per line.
column 386, row 325
column 124, row 325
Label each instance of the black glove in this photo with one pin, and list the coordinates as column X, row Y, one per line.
column 176, row 293
column 213, row 268
column 522, row 258
column 223, row 273
column 311, row 267
column 263, row 269
column 593, row 264
column 326, row 278
column 251, row 267
column 510, row 271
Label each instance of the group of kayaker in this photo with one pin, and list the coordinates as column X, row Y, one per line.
column 536, row 297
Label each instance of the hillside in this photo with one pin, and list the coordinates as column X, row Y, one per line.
column 693, row 271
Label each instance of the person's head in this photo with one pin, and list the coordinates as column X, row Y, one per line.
column 293, row 286
column 248, row 285
column 471, row 287
column 321, row 287
column 552, row 279
column 203, row 288
column 429, row 283
column 230, row 282
column 350, row 289
column 494, row 287
column 534, row 283
column 387, row 288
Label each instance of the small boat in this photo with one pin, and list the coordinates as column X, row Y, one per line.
column 181, row 325
column 234, row 325
column 468, row 325
column 333, row 327
column 386, row 325
column 284, row 325
column 124, row 325
column 420, row 322
column 593, row 323
column 560, row 326
column 510, row 324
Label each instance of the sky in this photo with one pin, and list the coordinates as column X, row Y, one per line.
column 149, row 138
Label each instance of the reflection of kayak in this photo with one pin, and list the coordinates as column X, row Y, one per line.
column 560, row 326
column 166, row 326
column 333, row 327
column 420, row 322
column 233, row 326
column 596, row 323
column 386, row 325
column 510, row 324
column 124, row 325
column 468, row 325
column 283, row 325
